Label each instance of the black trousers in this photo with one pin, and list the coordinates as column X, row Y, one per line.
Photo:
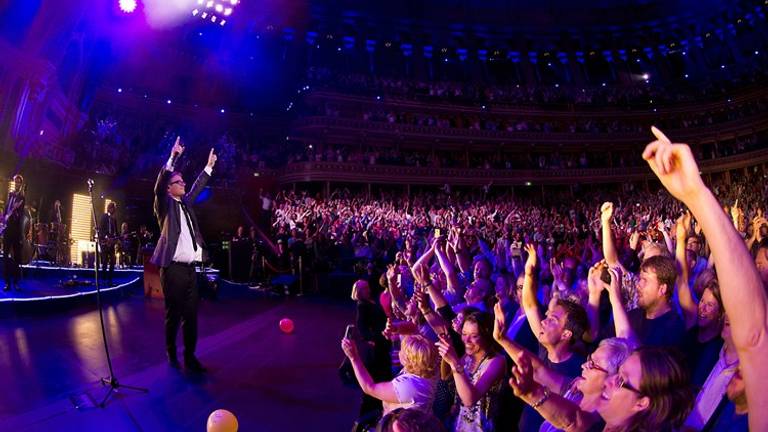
column 108, row 261
column 12, row 253
column 181, row 301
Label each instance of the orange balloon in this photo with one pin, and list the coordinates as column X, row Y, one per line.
column 222, row 420
column 286, row 325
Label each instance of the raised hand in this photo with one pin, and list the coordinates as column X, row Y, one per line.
column 177, row 149
column 675, row 167
column 350, row 348
column 595, row 285
column 447, row 352
column 391, row 272
column 615, row 285
column 499, row 324
column 422, row 300
column 530, row 263
column 211, row 159
column 634, row 239
column 556, row 269
column 606, row 212
column 522, row 381
column 757, row 222
column 421, row 274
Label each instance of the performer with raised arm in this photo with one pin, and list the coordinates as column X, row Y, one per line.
column 11, row 227
column 179, row 249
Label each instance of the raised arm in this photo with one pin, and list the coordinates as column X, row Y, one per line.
column 202, row 179
column 687, row 302
column 742, row 290
column 468, row 392
column 609, row 248
column 384, row 391
column 542, row 374
column 562, row 413
column 595, row 289
column 620, row 318
column 530, row 302
column 667, row 239
column 454, row 287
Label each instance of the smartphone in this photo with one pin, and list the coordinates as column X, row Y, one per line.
column 351, row 332
column 437, row 232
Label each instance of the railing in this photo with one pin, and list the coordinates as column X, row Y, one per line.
column 509, row 109
column 360, row 173
column 313, row 124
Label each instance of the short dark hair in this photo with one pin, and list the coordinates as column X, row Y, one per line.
column 665, row 270
column 576, row 319
column 170, row 177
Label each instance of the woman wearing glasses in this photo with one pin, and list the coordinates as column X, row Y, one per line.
column 587, row 389
column 650, row 392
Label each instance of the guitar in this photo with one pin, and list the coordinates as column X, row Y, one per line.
column 8, row 215
column 109, row 242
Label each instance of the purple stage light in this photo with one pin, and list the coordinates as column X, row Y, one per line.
column 127, row 6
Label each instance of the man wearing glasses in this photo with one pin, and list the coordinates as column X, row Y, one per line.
column 178, row 251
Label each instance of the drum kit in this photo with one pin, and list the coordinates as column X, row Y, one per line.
column 52, row 242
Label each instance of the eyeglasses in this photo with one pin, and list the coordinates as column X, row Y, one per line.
column 624, row 383
column 178, row 182
column 590, row 364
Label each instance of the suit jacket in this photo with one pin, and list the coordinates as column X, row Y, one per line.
column 104, row 226
column 169, row 217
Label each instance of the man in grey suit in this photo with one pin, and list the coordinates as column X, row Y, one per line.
column 178, row 251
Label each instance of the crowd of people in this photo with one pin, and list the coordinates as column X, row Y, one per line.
column 596, row 94
column 607, row 312
column 507, row 160
column 488, row 120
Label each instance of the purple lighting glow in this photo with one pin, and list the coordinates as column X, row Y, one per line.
column 127, row 6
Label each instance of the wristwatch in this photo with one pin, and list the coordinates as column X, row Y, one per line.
column 459, row 368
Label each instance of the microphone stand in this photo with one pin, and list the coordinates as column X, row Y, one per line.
column 111, row 380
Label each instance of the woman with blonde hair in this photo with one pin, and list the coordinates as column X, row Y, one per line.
column 413, row 387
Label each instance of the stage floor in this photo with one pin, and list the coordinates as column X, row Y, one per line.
column 271, row 381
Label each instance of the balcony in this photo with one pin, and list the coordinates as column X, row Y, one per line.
column 406, row 175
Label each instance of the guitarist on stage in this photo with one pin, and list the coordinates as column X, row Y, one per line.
column 11, row 226
column 109, row 239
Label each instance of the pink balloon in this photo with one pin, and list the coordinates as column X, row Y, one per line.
column 286, row 325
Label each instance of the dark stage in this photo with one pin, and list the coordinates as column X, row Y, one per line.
column 53, row 360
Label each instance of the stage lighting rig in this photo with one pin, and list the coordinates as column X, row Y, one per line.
column 215, row 11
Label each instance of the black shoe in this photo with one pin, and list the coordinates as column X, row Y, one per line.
column 194, row 365
column 173, row 361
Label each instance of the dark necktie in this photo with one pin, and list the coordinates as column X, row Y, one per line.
column 189, row 225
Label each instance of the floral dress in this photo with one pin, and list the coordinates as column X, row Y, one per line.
column 481, row 415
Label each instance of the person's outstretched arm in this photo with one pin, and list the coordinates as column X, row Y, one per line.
column 742, row 290
column 687, row 302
